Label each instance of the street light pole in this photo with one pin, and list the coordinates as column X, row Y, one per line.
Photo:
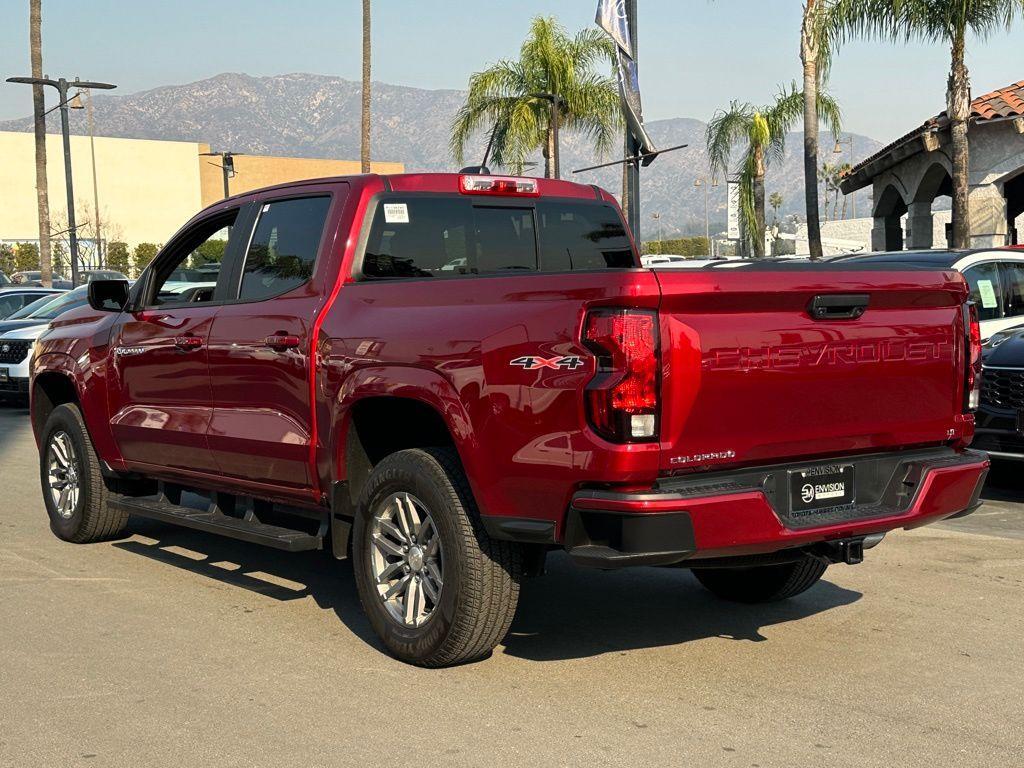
column 838, row 150
column 62, row 85
column 657, row 218
column 95, row 185
column 703, row 182
column 227, row 167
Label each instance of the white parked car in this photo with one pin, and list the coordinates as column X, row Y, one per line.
column 15, row 353
column 995, row 277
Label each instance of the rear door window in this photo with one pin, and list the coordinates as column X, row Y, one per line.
column 986, row 290
column 434, row 236
column 282, row 252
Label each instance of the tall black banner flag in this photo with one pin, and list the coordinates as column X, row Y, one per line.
column 613, row 19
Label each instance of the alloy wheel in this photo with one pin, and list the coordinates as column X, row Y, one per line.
column 406, row 559
column 63, row 474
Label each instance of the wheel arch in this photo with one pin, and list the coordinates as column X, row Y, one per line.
column 384, row 410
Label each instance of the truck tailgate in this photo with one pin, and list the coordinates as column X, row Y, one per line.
column 751, row 376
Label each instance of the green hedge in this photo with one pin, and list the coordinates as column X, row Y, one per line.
column 681, row 246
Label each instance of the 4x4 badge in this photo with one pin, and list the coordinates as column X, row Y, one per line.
column 532, row 362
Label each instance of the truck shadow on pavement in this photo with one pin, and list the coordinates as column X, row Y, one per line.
column 569, row 613
column 575, row 613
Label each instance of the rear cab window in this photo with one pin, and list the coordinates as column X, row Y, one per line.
column 437, row 236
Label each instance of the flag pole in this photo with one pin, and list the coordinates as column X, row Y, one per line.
column 633, row 146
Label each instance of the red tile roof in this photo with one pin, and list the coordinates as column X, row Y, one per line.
column 1005, row 103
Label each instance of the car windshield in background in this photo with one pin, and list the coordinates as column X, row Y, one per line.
column 4, row 279
column 28, row 309
column 99, row 274
column 54, row 307
column 426, row 236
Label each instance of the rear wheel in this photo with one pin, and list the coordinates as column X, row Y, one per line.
column 763, row 583
column 74, row 491
column 437, row 590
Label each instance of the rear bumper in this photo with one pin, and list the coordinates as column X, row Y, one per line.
column 747, row 512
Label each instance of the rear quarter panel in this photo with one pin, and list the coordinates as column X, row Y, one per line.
column 521, row 434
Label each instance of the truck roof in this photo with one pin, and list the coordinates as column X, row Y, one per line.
column 436, row 182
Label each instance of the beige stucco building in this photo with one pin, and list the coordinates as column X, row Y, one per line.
column 146, row 188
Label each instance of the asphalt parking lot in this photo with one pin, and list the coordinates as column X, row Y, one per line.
column 172, row 647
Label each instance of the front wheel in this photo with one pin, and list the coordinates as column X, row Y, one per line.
column 74, row 491
column 763, row 583
column 436, row 589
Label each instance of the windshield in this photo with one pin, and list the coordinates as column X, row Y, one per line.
column 4, row 280
column 28, row 309
column 54, row 306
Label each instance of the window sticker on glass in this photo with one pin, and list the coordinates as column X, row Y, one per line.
column 396, row 213
column 988, row 294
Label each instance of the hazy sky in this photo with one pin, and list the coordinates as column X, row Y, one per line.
column 695, row 55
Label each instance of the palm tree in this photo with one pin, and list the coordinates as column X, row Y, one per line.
column 775, row 201
column 940, row 21
column 815, row 57
column 364, row 141
column 507, row 98
column 35, row 37
column 763, row 132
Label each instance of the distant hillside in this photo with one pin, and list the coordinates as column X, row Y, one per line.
column 306, row 115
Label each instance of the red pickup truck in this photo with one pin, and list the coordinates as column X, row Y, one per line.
column 448, row 376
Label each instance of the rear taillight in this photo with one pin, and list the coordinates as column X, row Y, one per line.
column 972, row 384
column 622, row 398
column 498, row 185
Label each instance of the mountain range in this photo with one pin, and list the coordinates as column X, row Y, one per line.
column 309, row 115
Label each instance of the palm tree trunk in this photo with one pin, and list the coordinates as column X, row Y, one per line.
column 844, row 207
column 958, row 106
column 38, row 108
column 809, row 58
column 758, row 234
column 549, row 154
column 364, row 151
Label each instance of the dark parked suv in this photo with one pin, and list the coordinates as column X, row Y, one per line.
column 1000, row 420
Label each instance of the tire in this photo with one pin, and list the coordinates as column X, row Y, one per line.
column 85, row 515
column 480, row 576
column 763, row 583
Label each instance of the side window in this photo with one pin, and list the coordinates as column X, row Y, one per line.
column 283, row 248
column 1013, row 289
column 188, row 275
column 986, row 291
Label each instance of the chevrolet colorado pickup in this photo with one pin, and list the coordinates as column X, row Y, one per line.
column 448, row 376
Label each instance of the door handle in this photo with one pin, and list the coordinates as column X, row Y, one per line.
column 282, row 341
column 187, row 343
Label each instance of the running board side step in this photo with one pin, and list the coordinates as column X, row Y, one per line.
column 214, row 521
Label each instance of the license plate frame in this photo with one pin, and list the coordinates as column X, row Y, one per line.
column 5, row 374
column 814, row 489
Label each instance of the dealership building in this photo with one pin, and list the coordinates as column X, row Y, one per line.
column 146, row 188
column 909, row 175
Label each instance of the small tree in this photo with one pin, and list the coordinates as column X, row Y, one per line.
column 7, row 258
column 211, row 251
column 61, row 260
column 144, row 253
column 118, row 257
column 26, row 257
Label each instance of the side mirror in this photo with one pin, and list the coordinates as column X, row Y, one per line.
column 108, row 295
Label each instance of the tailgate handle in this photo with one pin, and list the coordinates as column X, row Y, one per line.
column 838, row 306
